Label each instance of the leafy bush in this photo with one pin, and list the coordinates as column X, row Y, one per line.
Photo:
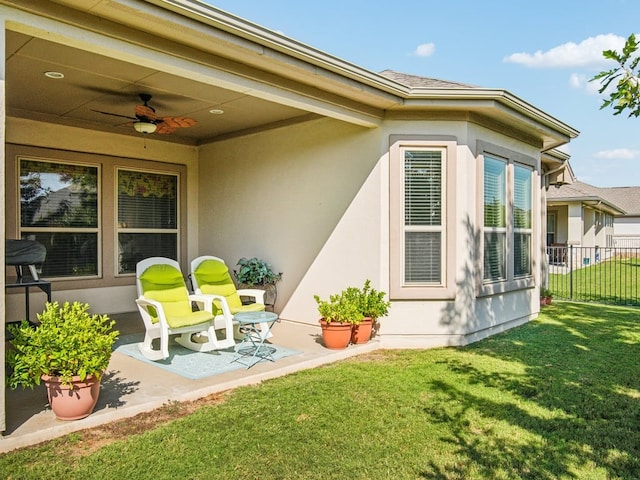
column 68, row 342
column 254, row 271
column 353, row 304
column 372, row 302
column 340, row 308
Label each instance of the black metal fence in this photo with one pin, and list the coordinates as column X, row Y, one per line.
column 608, row 275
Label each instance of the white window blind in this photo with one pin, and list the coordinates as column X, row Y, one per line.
column 522, row 220
column 495, row 220
column 423, row 216
column 147, row 217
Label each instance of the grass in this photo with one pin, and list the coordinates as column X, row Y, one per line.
column 558, row 398
column 614, row 281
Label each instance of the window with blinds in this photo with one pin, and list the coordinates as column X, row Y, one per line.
column 522, row 220
column 423, row 217
column 495, row 219
column 147, row 205
column 59, row 208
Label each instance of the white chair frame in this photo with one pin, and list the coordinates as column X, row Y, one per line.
column 226, row 316
column 161, row 328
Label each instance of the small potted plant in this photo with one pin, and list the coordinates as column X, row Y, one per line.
column 68, row 351
column 338, row 314
column 373, row 306
column 256, row 273
column 548, row 296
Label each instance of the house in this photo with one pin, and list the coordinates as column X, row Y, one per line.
column 183, row 130
column 581, row 215
column 626, row 226
column 584, row 215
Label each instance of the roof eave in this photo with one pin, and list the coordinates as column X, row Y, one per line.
column 189, row 16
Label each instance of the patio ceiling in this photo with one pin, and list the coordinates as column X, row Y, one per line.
column 93, row 82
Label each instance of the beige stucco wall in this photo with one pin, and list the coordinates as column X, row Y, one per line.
column 117, row 298
column 562, row 222
column 284, row 196
column 313, row 201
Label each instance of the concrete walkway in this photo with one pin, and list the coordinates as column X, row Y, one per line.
column 130, row 386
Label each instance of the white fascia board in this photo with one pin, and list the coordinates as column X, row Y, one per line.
column 502, row 97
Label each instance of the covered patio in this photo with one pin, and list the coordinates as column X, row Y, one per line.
column 131, row 387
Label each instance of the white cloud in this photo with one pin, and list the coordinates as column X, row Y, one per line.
column 587, row 53
column 618, row 154
column 581, row 81
column 424, row 50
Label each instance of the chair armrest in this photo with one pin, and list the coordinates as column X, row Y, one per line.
column 145, row 303
column 207, row 301
column 256, row 293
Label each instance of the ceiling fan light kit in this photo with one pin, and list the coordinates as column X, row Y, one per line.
column 146, row 121
column 145, row 127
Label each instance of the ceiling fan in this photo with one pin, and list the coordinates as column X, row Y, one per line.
column 146, row 120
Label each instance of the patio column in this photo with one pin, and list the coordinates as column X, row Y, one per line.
column 3, row 111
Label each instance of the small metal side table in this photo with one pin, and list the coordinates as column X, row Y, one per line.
column 252, row 349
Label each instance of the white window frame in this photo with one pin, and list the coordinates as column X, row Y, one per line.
column 97, row 230
column 107, row 239
column 125, row 229
column 399, row 287
column 512, row 158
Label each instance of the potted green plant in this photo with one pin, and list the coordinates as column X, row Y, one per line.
column 546, row 295
column 257, row 273
column 68, row 351
column 373, row 306
column 338, row 314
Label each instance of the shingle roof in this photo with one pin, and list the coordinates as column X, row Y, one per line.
column 416, row 81
column 626, row 199
column 574, row 190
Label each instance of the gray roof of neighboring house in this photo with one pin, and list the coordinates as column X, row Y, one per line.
column 415, row 81
column 627, row 198
column 583, row 192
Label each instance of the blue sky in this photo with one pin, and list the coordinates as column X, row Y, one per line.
column 542, row 51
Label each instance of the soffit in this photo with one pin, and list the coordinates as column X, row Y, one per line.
column 285, row 80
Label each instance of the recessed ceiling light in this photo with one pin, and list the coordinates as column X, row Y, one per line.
column 54, row 75
column 216, row 111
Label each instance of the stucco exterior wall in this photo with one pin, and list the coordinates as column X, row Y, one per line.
column 313, row 201
column 284, row 196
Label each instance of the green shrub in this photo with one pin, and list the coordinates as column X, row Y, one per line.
column 254, row 271
column 68, row 342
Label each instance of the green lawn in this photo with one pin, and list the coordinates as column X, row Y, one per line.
column 558, row 398
column 615, row 281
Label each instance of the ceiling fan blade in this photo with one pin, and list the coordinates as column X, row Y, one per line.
column 114, row 114
column 145, row 111
column 163, row 128
column 178, row 122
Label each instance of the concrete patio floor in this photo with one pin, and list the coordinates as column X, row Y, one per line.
column 130, row 386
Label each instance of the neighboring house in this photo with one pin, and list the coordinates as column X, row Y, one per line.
column 581, row 215
column 626, row 227
column 434, row 190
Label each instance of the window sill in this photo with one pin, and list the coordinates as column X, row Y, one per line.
column 505, row 286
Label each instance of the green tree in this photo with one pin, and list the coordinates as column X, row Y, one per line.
column 626, row 95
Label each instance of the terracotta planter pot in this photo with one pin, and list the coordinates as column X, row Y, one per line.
column 361, row 333
column 336, row 336
column 72, row 402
